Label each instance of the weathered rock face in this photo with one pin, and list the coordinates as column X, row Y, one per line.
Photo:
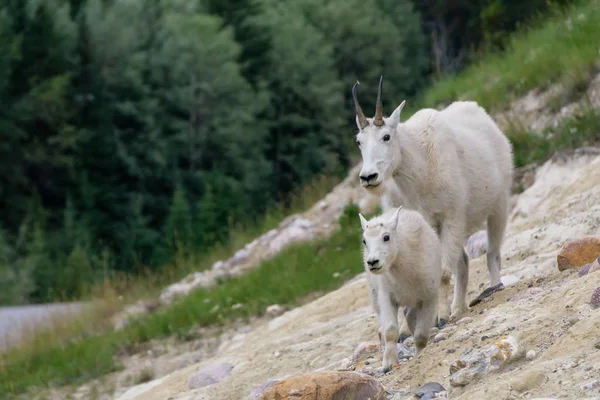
column 209, row 375
column 578, row 252
column 326, row 385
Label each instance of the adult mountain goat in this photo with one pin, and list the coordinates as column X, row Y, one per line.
column 402, row 257
column 453, row 166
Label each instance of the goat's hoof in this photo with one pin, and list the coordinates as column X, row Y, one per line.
column 442, row 322
column 486, row 293
column 403, row 336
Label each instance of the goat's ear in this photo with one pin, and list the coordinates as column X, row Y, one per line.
column 394, row 119
column 363, row 221
column 394, row 220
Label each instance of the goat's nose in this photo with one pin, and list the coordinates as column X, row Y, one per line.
column 372, row 263
column 370, row 177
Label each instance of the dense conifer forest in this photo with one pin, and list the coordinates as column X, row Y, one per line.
column 132, row 132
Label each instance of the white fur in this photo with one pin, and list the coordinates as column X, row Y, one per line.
column 453, row 166
column 407, row 273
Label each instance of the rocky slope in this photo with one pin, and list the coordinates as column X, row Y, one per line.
column 546, row 311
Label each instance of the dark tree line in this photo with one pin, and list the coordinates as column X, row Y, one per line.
column 131, row 131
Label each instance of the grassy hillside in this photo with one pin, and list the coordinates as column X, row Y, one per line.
column 563, row 48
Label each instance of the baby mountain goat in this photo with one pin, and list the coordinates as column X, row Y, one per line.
column 402, row 257
column 454, row 167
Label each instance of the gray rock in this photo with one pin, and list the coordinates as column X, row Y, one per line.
column 584, row 270
column 591, row 385
column 405, row 352
column 439, row 337
column 209, row 375
column 429, row 389
column 477, row 244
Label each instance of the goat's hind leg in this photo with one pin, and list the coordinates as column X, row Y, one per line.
column 455, row 258
column 426, row 317
column 496, row 225
column 444, row 298
column 405, row 331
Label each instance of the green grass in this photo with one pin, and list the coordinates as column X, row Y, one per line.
column 563, row 47
column 291, row 275
column 578, row 131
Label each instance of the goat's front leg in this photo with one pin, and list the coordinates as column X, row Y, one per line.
column 389, row 325
column 451, row 238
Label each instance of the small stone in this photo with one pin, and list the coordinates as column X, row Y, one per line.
column 530, row 355
column 274, row 310
column 464, row 320
column 364, row 350
column 591, row 385
column 430, row 388
column 578, row 252
column 588, row 368
column 450, row 351
column 595, row 300
column 276, row 354
column 584, row 270
column 573, row 320
column 439, row 337
column 209, row 375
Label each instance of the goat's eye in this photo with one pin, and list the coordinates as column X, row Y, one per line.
column 386, row 238
column 386, row 137
column 364, row 242
column 358, row 143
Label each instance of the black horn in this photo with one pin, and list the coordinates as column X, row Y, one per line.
column 378, row 120
column 362, row 120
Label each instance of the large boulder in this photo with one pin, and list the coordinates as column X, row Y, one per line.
column 326, row 385
column 578, row 252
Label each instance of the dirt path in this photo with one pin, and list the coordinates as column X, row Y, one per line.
column 16, row 321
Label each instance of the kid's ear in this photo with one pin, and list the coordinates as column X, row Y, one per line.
column 394, row 220
column 363, row 221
